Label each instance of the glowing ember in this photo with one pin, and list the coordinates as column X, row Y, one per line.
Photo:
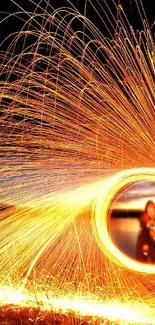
column 132, row 312
column 77, row 125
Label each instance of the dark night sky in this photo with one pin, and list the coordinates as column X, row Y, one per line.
column 129, row 6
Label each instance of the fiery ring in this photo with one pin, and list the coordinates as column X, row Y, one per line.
column 112, row 187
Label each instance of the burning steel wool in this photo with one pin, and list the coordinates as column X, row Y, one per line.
column 76, row 127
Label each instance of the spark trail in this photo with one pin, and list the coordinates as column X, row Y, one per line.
column 77, row 125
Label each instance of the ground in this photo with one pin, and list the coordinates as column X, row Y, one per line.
column 15, row 315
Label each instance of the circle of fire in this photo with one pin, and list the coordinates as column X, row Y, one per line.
column 116, row 183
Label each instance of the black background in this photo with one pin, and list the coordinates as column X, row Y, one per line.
column 14, row 24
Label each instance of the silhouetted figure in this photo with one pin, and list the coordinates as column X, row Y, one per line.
column 146, row 239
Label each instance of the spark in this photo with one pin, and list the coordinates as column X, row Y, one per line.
column 83, row 306
column 77, row 126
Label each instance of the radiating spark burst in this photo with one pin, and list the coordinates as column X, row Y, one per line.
column 76, row 106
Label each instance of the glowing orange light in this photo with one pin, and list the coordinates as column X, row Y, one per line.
column 77, row 125
column 115, row 183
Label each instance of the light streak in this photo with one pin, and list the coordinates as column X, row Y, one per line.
column 77, row 126
column 114, row 185
column 131, row 312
